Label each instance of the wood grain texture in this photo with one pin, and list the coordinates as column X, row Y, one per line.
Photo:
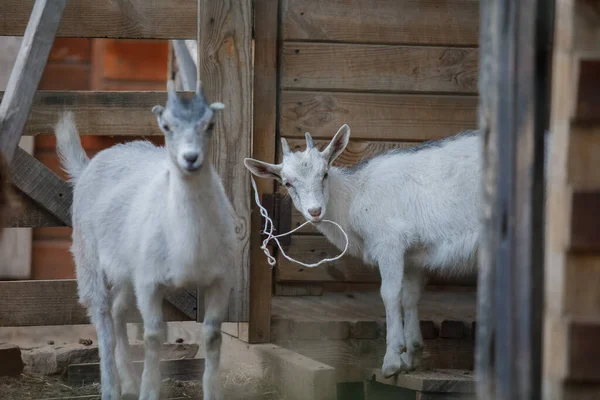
column 263, row 148
column 376, row 116
column 125, row 19
column 311, row 249
column 431, row 22
column 97, row 113
column 42, row 24
column 37, row 181
column 225, row 57
column 53, row 302
column 31, row 214
column 439, row 381
column 376, row 68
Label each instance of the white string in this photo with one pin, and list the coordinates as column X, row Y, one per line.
column 268, row 230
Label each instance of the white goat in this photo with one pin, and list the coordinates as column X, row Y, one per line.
column 409, row 211
column 146, row 219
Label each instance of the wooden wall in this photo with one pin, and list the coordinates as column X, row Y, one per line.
column 90, row 64
column 396, row 71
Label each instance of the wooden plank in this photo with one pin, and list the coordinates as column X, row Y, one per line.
column 520, row 118
column 428, row 22
column 376, row 116
column 98, row 113
column 439, row 381
column 585, row 219
column 31, row 215
column 311, row 249
column 263, row 148
column 583, row 362
column 132, row 19
column 42, row 185
column 27, row 72
column 225, row 54
column 376, row 68
column 53, row 302
column 185, row 369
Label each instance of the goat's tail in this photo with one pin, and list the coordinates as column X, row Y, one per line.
column 68, row 145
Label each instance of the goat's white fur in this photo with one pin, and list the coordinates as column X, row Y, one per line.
column 409, row 211
column 142, row 224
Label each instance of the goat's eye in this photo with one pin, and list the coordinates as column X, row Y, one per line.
column 288, row 185
column 165, row 127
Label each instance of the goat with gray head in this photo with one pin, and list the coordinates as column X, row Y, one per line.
column 408, row 211
column 146, row 219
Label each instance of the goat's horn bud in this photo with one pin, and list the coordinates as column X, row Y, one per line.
column 309, row 141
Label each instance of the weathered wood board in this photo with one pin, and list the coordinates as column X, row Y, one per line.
column 131, row 19
column 105, row 113
column 375, row 68
column 225, row 68
column 428, row 22
column 374, row 116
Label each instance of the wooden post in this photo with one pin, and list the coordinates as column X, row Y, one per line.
column 225, row 68
column 514, row 118
column 27, row 72
column 572, row 320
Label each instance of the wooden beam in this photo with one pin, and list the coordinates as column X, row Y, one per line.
column 102, row 113
column 225, row 62
column 119, row 19
column 514, row 118
column 42, row 185
column 54, row 302
column 266, row 29
column 31, row 214
column 27, row 72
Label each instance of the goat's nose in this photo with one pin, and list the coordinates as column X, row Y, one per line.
column 190, row 157
column 315, row 212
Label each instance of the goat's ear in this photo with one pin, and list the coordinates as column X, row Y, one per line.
column 158, row 111
column 263, row 169
column 337, row 145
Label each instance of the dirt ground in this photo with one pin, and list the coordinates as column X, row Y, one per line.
column 37, row 387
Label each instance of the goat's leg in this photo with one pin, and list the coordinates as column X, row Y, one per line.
column 392, row 274
column 411, row 293
column 149, row 298
column 130, row 382
column 216, row 300
column 99, row 311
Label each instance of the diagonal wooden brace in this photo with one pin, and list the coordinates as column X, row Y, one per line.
column 27, row 72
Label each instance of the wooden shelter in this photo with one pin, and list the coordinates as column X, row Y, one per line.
column 398, row 72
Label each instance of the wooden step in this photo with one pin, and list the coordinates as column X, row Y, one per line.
column 430, row 385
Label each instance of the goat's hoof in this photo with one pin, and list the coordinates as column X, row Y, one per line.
column 393, row 365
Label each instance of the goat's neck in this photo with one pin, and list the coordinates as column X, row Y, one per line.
column 188, row 193
column 341, row 192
